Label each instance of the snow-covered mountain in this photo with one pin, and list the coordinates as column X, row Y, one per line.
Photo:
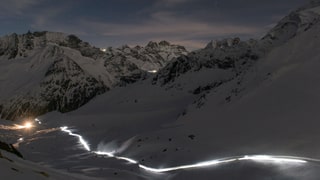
column 128, row 62
column 292, row 25
column 225, row 56
column 46, row 71
column 235, row 57
column 151, row 58
column 229, row 99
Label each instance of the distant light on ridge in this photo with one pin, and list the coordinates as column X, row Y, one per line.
column 153, row 71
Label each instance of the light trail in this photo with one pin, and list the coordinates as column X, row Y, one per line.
column 197, row 165
column 215, row 162
column 110, row 154
column 81, row 140
column 13, row 127
column 265, row 158
column 26, row 125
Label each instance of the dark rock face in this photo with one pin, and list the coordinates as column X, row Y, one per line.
column 180, row 66
column 64, row 88
column 9, row 148
column 85, row 49
column 10, row 47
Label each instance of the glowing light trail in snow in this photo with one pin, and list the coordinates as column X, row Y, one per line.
column 256, row 158
column 265, row 158
column 26, row 125
column 81, row 140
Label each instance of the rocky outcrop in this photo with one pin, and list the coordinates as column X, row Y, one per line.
column 9, row 148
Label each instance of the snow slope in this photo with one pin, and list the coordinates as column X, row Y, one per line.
column 12, row 167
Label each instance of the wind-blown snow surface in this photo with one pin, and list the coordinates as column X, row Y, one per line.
column 257, row 97
column 12, row 167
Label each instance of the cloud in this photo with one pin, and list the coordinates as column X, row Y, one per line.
column 168, row 26
column 17, row 7
column 169, row 3
column 22, row 4
column 161, row 25
column 187, row 29
column 46, row 18
column 184, row 33
column 191, row 23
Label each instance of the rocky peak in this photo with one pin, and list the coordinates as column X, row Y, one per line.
column 152, row 45
column 138, row 47
column 19, row 45
column 293, row 24
column 215, row 44
column 164, row 43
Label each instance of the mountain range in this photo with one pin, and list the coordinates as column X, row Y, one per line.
column 47, row 71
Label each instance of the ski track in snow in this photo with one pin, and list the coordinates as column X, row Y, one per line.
column 215, row 162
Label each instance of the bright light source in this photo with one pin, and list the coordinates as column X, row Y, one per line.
column 37, row 120
column 153, row 71
column 28, row 125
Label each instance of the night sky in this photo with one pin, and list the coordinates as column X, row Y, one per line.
column 104, row 23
